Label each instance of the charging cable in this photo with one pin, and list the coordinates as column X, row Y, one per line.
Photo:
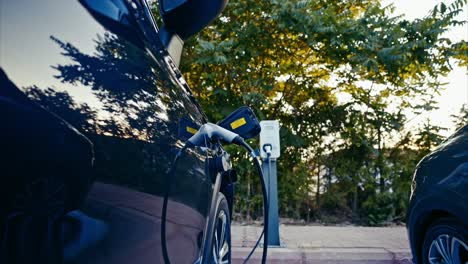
column 208, row 132
column 267, row 148
column 266, row 205
column 171, row 176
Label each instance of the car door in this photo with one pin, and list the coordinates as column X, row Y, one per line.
column 94, row 70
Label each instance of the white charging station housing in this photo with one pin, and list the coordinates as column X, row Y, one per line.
column 270, row 135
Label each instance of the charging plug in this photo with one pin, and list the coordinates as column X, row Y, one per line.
column 267, row 148
column 211, row 131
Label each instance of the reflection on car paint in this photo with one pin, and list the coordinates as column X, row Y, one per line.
column 108, row 100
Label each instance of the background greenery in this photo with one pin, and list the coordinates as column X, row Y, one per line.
column 343, row 78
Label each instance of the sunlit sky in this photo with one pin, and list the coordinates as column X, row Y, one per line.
column 456, row 92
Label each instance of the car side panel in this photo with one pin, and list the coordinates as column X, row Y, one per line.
column 103, row 101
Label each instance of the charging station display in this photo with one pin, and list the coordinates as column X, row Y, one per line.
column 270, row 135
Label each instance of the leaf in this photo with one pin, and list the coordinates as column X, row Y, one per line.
column 206, row 45
column 443, row 8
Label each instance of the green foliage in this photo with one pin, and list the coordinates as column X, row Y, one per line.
column 334, row 202
column 461, row 119
column 341, row 77
column 379, row 208
column 428, row 137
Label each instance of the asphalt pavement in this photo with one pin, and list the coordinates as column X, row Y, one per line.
column 326, row 244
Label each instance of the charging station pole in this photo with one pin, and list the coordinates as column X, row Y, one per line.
column 269, row 152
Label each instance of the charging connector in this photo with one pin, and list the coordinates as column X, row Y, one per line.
column 210, row 131
column 206, row 133
column 267, row 148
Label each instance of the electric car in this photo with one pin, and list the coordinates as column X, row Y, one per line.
column 438, row 214
column 93, row 113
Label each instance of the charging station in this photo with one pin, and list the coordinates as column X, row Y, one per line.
column 270, row 152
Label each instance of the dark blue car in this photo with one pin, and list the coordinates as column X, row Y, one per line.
column 93, row 112
column 438, row 213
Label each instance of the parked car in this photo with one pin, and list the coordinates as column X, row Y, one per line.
column 92, row 103
column 438, row 213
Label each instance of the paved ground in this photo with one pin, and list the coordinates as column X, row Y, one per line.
column 326, row 244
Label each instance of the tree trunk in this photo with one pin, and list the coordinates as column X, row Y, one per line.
column 380, row 161
column 355, row 203
column 329, row 178
column 247, row 216
column 317, row 194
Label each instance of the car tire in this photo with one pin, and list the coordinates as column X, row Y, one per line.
column 445, row 241
column 221, row 246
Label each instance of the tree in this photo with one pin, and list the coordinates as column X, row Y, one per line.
column 340, row 77
column 461, row 119
column 428, row 137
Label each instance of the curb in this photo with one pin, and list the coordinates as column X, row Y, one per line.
column 325, row 255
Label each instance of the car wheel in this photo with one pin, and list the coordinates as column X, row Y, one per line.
column 446, row 242
column 222, row 236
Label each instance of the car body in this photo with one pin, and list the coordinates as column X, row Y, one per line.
column 91, row 106
column 439, row 193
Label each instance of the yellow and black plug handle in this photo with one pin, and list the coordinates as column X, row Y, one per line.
column 242, row 122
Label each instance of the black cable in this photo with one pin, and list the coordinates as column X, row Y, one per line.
column 268, row 195
column 269, row 172
column 265, row 203
column 269, row 176
column 255, row 247
column 238, row 141
column 168, row 188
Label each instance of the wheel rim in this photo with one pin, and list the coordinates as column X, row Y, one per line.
column 221, row 240
column 446, row 249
